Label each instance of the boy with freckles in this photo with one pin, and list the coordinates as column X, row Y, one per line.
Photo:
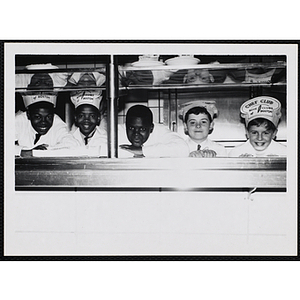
column 262, row 115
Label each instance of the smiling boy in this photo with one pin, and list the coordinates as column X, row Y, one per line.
column 262, row 115
column 198, row 123
column 91, row 137
column 39, row 128
column 88, row 118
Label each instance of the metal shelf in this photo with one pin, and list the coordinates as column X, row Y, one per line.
column 203, row 86
column 233, row 66
column 60, row 89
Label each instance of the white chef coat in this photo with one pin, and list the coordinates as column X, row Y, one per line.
column 207, row 144
column 98, row 140
column 162, row 142
column 57, row 136
column 274, row 149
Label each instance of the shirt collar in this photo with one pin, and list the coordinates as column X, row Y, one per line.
column 202, row 144
column 90, row 135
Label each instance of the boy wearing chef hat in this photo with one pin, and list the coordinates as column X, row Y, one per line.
column 261, row 115
column 143, row 138
column 39, row 128
column 197, row 117
column 88, row 131
column 87, row 119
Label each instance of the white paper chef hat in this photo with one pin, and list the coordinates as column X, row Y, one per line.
column 39, row 97
column 42, row 79
column 261, row 107
column 59, row 80
column 93, row 97
column 98, row 78
column 208, row 104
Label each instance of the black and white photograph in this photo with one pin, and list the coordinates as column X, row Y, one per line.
column 150, row 149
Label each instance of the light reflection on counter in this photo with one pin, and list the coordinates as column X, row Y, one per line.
column 162, row 173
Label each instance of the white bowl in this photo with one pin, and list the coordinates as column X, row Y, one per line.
column 182, row 60
column 147, row 63
column 41, row 67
